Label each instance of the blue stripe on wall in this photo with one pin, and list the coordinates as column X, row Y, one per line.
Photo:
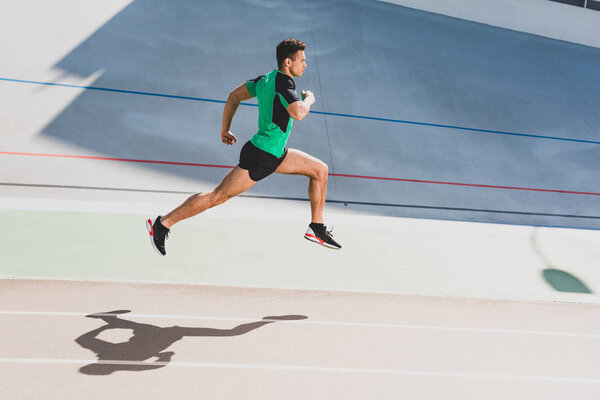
column 399, row 121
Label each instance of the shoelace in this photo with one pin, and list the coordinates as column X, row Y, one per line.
column 324, row 231
column 167, row 233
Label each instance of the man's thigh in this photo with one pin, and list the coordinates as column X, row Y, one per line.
column 235, row 182
column 299, row 163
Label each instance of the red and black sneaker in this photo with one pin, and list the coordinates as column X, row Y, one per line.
column 158, row 234
column 319, row 234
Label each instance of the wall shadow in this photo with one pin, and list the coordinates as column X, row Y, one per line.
column 366, row 58
column 150, row 342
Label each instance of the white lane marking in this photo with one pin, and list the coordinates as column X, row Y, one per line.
column 303, row 368
column 313, row 322
column 566, row 298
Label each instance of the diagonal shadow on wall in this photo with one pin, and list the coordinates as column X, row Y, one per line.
column 365, row 58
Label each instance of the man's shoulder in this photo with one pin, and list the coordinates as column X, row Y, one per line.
column 255, row 80
column 283, row 81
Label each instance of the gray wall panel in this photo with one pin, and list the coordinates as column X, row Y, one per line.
column 365, row 58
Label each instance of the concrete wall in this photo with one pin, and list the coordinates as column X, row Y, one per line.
column 423, row 96
column 539, row 17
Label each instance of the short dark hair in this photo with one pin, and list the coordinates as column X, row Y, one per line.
column 287, row 49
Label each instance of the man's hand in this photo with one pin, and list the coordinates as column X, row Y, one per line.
column 308, row 96
column 228, row 138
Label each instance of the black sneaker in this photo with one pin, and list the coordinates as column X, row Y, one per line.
column 318, row 233
column 158, row 234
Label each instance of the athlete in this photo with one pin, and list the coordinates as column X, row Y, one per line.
column 265, row 153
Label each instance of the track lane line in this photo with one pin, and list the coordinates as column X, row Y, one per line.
column 331, row 174
column 298, row 368
column 333, row 114
column 311, row 322
column 3, row 202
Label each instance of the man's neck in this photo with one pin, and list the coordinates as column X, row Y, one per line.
column 286, row 71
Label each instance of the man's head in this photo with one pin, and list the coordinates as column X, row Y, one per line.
column 290, row 56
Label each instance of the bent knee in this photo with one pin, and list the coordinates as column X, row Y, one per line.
column 220, row 198
column 321, row 171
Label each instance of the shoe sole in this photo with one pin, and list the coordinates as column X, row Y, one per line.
column 149, row 224
column 318, row 241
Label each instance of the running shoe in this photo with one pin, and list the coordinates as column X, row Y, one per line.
column 319, row 234
column 158, row 234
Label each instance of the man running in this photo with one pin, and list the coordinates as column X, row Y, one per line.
column 265, row 153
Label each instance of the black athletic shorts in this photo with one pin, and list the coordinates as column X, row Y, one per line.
column 259, row 163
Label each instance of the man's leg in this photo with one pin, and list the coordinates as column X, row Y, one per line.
column 235, row 182
column 297, row 162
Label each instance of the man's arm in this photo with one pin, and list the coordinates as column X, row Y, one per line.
column 300, row 109
column 236, row 96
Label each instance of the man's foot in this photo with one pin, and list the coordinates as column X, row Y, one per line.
column 158, row 234
column 318, row 233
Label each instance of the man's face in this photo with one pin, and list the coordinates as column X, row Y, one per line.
column 298, row 63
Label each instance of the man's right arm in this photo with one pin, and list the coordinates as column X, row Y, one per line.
column 300, row 109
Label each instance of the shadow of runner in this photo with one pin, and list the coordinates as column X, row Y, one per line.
column 149, row 341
